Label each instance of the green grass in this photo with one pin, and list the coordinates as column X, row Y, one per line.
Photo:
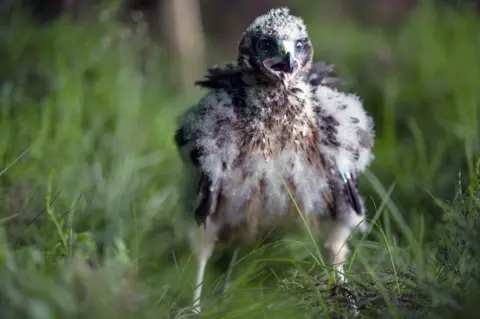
column 89, row 182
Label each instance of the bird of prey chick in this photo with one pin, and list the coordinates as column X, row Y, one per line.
column 273, row 138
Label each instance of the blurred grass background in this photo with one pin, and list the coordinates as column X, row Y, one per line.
column 89, row 175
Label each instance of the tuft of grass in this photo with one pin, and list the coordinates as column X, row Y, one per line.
column 89, row 179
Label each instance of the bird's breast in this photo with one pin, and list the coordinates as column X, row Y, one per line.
column 267, row 168
column 260, row 188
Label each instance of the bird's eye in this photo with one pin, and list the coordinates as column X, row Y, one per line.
column 264, row 44
column 299, row 44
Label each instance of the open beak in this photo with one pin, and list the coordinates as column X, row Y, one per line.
column 284, row 61
column 288, row 49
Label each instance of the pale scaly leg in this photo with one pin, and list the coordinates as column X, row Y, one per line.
column 228, row 278
column 202, row 264
column 336, row 249
column 203, row 240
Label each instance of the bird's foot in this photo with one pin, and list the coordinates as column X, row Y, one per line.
column 339, row 290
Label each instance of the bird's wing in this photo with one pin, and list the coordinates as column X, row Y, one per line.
column 201, row 192
column 347, row 135
column 221, row 77
column 203, row 141
column 320, row 74
column 197, row 193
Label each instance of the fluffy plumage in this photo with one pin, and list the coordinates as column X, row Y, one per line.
column 270, row 120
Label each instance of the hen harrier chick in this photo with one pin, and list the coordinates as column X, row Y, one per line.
column 271, row 121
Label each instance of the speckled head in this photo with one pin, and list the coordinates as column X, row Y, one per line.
column 280, row 24
column 277, row 45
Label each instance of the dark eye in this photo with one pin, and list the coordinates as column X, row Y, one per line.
column 299, row 44
column 264, row 44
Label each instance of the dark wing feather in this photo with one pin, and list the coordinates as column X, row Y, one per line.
column 207, row 196
column 351, row 192
column 319, row 74
column 344, row 194
column 228, row 78
column 223, row 77
column 203, row 199
column 180, row 138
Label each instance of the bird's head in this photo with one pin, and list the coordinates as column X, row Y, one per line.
column 276, row 46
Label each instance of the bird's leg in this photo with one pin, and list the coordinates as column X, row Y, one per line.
column 228, row 278
column 336, row 249
column 202, row 264
column 203, row 240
